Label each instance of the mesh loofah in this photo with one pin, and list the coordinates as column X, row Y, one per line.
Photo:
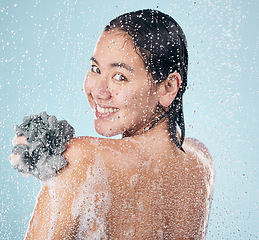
column 47, row 137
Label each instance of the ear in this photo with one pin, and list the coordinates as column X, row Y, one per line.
column 169, row 89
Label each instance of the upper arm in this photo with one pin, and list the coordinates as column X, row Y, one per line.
column 53, row 216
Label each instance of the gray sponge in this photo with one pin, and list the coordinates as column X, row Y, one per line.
column 47, row 138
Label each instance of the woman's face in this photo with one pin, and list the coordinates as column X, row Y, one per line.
column 118, row 87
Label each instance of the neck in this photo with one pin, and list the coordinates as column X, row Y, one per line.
column 157, row 137
column 157, row 120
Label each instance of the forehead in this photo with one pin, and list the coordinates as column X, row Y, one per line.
column 117, row 46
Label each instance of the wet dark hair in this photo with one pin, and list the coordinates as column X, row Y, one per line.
column 163, row 47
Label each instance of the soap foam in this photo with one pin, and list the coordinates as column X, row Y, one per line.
column 92, row 204
column 55, row 199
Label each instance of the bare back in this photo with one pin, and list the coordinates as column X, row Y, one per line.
column 131, row 188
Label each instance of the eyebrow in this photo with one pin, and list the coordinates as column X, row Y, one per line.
column 119, row 64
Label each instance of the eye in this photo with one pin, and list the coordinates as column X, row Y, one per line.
column 95, row 69
column 120, row 77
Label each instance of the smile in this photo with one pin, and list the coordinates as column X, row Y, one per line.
column 102, row 112
column 106, row 110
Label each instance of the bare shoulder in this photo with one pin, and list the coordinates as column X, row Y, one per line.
column 91, row 148
column 79, row 146
column 192, row 191
column 198, row 154
column 195, row 169
column 198, row 166
column 83, row 148
column 79, row 155
column 84, row 151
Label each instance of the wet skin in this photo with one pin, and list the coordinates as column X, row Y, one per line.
column 118, row 87
column 143, row 186
column 154, row 189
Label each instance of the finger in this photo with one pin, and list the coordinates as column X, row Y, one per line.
column 14, row 159
column 20, row 140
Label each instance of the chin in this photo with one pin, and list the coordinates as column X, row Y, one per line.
column 106, row 132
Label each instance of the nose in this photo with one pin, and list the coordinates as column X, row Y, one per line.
column 98, row 88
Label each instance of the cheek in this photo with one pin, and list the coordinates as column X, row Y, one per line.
column 139, row 99
column 135, row 101
column 130, row 99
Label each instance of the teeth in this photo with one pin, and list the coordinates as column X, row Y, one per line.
column 106, row 110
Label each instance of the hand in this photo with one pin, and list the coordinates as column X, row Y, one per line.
column 15, row 159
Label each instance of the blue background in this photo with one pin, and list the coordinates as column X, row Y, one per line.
column 45, row 47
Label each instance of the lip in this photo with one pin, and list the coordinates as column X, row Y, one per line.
column 102, row 112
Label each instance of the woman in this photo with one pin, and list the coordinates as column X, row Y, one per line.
column 151, row 184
